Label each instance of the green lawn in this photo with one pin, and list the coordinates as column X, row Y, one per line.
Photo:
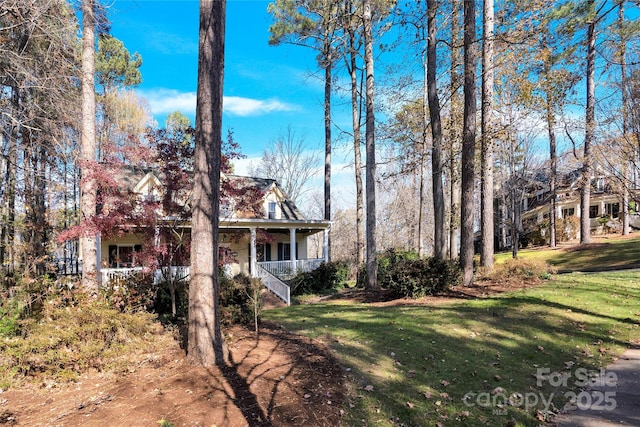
column 414, row 365
column 606, row 253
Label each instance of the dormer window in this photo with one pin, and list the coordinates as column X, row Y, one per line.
column 226, row 208
column 271, row 214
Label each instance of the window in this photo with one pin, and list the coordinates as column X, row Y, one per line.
column 568, row 212
column 263, row 252
column 284, row 252
column 598, row 184
column 593, row 211
column 613, row 209
column 226, row 208
column 123, row 256
column 272, row 210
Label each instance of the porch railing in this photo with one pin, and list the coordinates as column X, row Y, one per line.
column 177, row 273
column 285, row 269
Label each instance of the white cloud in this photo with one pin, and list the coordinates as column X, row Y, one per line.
column 164, row 101
column 239, row 106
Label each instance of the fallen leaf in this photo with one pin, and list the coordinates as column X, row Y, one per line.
column 410, row 405
column 497, row 377
column 444, row 383
column 411, row 373
column 306, row 396
column 541, row 348
column 427, row 394
column 368, row 387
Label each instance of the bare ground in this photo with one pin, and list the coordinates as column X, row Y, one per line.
column 280, row 379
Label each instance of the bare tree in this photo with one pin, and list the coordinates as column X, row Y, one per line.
column 206, row 344
column 288, row 161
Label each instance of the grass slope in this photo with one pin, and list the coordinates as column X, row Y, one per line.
column 414, row 365
column 605, row 253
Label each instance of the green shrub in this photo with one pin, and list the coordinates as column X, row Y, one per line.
column 163, row 302
column 415, row 278
column 384, row 260
column 328, row 277
column 239, row 299
column 10, row 312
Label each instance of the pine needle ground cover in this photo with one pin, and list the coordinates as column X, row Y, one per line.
column 508, row 359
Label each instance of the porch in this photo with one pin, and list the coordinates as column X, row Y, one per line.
column 272, row 273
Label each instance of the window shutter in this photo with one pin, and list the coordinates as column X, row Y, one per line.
column 113, row 254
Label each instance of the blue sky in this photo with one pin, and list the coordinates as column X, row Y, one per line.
column 266, row 88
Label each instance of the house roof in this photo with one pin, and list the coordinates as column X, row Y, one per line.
column 131, row 178
column 288, row 208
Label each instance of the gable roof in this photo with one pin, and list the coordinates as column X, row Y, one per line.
column 135, row 178
column 288, row 208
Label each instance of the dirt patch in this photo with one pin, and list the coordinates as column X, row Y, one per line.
column 280, row 379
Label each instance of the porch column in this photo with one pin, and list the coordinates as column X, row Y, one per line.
column 156, row 237
column 99, row 260
column 254, row 253
column 326, row 245
column 292, row 245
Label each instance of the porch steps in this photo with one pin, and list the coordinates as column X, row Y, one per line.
column 274, row 284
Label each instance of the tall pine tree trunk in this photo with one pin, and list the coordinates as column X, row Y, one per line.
column 205, row 342
column 468, row 143
column 372, row 277
column 88, row 185
column 486, row 192
column 355, row 121
column 328, row 66
column 454, row 147
column 553, row 156
column 627, row 165
column 553, row 174
column 590, row 126
column 436, row 133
